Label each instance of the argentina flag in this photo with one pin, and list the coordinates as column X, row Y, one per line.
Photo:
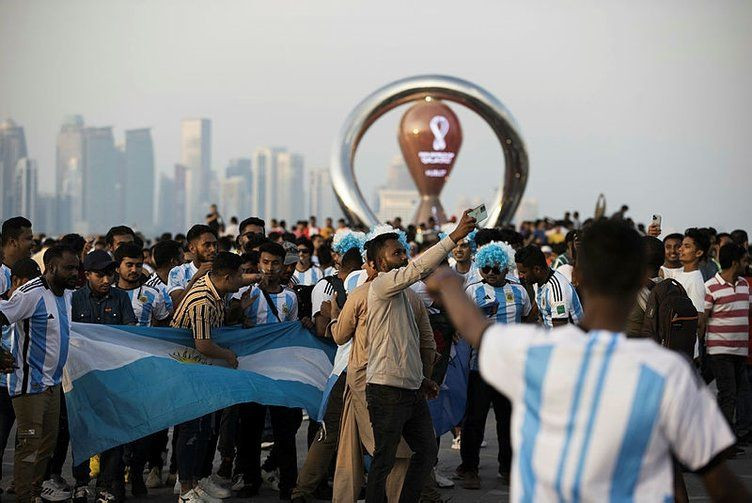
column 123, row 383
column 448, row 409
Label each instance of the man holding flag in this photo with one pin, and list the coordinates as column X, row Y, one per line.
column 200, row 310
column 40, row 312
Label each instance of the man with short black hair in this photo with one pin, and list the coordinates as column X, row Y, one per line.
column 694, row 247
column 166, row 254
column 40, row 312
column 201, row 310
column 400, row 361
column 556, row 298
column 727, row 301
column 99, row 303
column 265, row 303
column 17, row 240
column 202, row 244
column 598, row 416
column 118, row 235
column 22, row 272
column 249, row 227
column 148, row 304
column 654, row 258
column 671, row 246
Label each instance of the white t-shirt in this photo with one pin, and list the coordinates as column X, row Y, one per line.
column 671, row 273
column 596, row 416
column 558, row 300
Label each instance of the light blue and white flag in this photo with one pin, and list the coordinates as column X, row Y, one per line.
column 448, row 409
column 340, row 365
column 123, row 383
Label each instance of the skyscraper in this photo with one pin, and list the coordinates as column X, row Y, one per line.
column 261, row 158
column 322, row 200
column 26, row 188
column 290, row 193
column 398, row 198
column 139, row 179
column 12, row 148
column 237, row 197
column 195, row 155
column 180, row 191
column 69, row 167
column 166, row 208
column 100, row 170
column 234, row 202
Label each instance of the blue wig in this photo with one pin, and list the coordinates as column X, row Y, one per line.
column 495, row 254
column 348, row 241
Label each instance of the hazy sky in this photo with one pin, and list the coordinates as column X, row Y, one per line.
column 648, row 102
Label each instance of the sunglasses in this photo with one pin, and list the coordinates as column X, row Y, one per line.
column 489, row 270
column 304, row 251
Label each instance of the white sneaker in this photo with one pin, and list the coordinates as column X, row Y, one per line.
column 442, row 481
column 456, row 442
column 190, row 497
column 271, row 478
column 51, row 491
column 213, row 489
column 154, row 479
column 204, row 496
column 483, row 444
column 221, row 481
column 238, row 482
column 60, row 482
column 266, row 445
column 176, row 489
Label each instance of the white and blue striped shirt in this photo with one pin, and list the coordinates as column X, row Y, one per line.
column 472, row 276
column 259, row 313
column 179, row 276
column 558, row 300
column 596, row 416
column 309, row 277
column 355, row 279
column 5, row 284
column 156, row 282
column 505, row 304
column 39, row 341
column 148, row 305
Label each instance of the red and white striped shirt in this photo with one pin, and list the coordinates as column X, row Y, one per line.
column 728, row 324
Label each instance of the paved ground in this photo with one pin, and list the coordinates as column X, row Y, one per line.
column 492, row 488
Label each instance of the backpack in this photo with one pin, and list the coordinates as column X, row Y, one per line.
column 339, row 286
column 670, row 317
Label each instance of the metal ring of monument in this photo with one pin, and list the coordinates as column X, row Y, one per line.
column 410, row 89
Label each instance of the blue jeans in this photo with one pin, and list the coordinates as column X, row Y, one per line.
column 192, row 442
column 395, row 413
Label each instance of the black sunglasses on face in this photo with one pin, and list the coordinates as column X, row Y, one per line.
column 488, row 270
column 304, row 251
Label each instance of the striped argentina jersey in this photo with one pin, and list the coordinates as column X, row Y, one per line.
column 179, row 276
column 5, row 284
column 148, row 305
column 39, row 341
column 355, row 279
column 508, row 303
column 558, row 300
column 309, row 277
column 472, row 276
column 259, row 313
column 156, row 282
column 596, row 416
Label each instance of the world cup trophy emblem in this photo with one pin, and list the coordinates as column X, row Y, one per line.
column 430, row 138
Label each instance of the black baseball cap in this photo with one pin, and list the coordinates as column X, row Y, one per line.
column 98, row 260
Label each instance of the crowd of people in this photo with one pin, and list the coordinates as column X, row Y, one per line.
column 594, row 342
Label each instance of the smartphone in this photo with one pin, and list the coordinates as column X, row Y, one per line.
column 479, row 213
column 656, row 220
